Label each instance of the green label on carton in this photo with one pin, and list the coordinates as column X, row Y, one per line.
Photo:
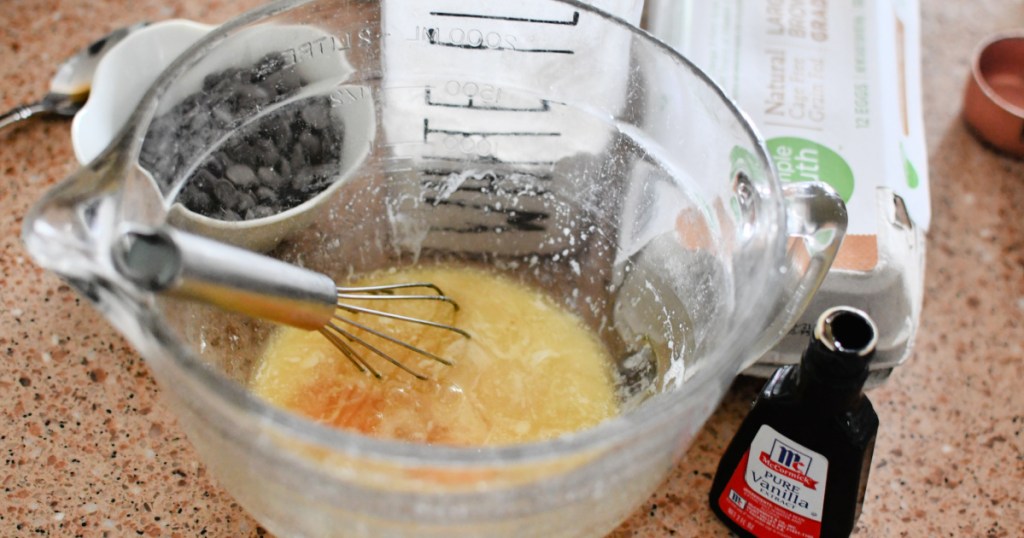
column 799, row 159
column 908, row 169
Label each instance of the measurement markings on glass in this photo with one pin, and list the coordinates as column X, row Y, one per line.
column 516, row 220
column 399, row 144
column 490, row 176
column 571, row 22
column 470, row 104
column 484, row 159
column 440, row 185
column 427, row 131
column 522, row 217
column 482, row 42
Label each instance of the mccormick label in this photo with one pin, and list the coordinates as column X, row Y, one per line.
column 778, row 490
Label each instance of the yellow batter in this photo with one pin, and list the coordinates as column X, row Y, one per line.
column 531, row 370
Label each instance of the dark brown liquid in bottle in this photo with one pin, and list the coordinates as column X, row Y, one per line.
column 798, row 466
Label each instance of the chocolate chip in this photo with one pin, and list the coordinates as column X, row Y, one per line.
column 288, row 83
column 262, row 211
column 241, row 175
column 298, row 157
column 269, row 178
column 311, row 146
column 223, row 114
column 245, row 201
column 266, row 152
column 302, row 181
column 316, row 115
column 284, row 168
column 198, row 201
column 225, row 192
column 266, row 194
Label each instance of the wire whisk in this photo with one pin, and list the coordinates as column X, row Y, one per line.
column 169, row 261
column 341, row 338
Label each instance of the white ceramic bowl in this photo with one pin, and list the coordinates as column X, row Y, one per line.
column 122, row 78
column 125, row 74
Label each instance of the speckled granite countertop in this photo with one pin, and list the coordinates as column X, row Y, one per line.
column 88, row 449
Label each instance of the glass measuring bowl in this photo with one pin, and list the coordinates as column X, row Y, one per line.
column 544, row 140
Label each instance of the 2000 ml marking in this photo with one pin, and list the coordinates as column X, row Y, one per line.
column 471, row 38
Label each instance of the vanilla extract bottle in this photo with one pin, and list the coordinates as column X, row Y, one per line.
column 798, row 466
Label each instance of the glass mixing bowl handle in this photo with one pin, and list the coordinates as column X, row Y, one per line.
column 816, row 220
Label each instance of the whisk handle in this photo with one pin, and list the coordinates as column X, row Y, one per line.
column 168, row 261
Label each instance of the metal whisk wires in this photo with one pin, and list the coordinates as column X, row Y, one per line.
column 343, row 338
column 173, row 262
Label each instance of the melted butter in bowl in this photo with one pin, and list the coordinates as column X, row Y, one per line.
column 531, row 371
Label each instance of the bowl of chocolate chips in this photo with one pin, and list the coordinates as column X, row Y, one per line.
column 256, row 138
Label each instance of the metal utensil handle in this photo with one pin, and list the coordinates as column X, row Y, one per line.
column 20, row 113
column 168, row 261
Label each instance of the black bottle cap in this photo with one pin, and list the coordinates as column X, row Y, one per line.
column 841, row 350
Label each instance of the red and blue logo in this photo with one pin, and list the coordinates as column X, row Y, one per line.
column 790, row 463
